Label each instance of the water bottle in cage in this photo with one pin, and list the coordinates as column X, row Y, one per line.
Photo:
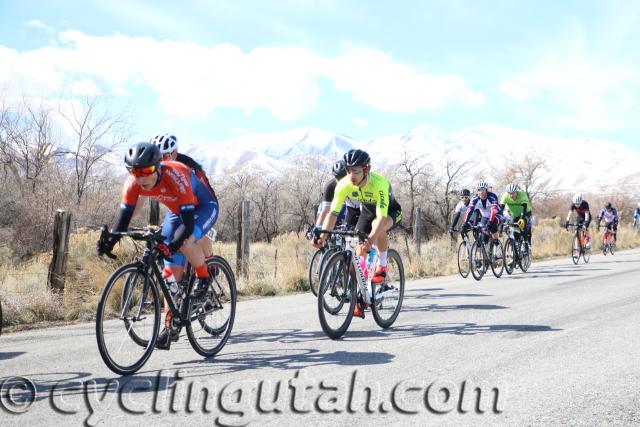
column 170, row 279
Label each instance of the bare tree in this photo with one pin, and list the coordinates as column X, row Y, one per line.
column 528, row 173
column 413, row 169
column 98, row 132
column 442, row 194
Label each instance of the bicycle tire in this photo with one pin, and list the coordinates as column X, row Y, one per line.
column 525, row 257
column 338, row 266
column 478, row 266
column 586, row 255
column 497, row 271
column 463, row 257
column 612, row 248
column 220, row 261
column 214, row 299
column 576, row 246
column 509, row 252
column 377, row 306
column 314, row 279
column 105, row 303
column 132, row 333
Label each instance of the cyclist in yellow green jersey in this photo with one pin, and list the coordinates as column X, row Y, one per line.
column 379, row 210
column 517, row 202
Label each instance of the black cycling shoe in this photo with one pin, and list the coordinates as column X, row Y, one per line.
column 164, row 340
column 201, row 287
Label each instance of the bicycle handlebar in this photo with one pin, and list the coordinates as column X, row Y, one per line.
column 147, row 234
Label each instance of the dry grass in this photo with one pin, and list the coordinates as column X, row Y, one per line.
column 274, row 269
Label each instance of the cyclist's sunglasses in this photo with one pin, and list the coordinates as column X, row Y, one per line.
column 355, row 170
column 143, row 171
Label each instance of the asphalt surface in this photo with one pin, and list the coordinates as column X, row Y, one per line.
column 557, row 345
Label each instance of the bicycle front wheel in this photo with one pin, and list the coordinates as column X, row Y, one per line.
column 314, row 269
column 128, row 319
column 576, row 249
column 211, row 319
column 337, row 295
column 387, row 297
column 463, row 259
column 586, row 254
column 478, row 265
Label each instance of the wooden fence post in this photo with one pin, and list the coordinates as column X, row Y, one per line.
column 58, row 266
column 417, row 231
column 154, row 212
column 242, row 240
column 245, row 238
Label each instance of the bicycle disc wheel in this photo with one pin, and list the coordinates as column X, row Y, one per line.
column 337, row 295
column 497, row 260
column 525, row 256
column 314, row 268
column 388, row 296
column 463, row 259
column 478, row 266
column 127, row 300
column 509, row 252
column 576, row 249
column 212, row 318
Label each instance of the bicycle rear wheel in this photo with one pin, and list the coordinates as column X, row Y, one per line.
column 478, row 265
column 497, row 259
column 212, row 318
column 337, row 295
column 586, row 254
column 576, row 249
column 463, row 259
column 129, row 298
column 509, row 256
column 525, row 256
column 388, row 296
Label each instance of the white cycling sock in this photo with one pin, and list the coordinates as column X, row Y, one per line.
column 382, row 258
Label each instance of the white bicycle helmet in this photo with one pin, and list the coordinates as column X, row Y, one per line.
column 577, row 199
column 512, row 188
column 166, row 143
column 482, row 185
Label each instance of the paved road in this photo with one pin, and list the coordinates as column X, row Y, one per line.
column 559, row 344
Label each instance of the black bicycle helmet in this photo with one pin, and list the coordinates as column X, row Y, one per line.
column 464, row 192
column 339, row 170
column 607, row 205
column 356, row 158
column 142, row 155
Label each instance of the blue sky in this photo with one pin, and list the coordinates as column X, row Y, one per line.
column 210, row 70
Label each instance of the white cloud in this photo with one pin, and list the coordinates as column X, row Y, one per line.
column 593, row 93
column 359, row 122
column 35, row 23
column 192, row 79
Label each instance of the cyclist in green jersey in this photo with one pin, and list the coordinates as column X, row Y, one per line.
column 517, row 202
column 379, row 210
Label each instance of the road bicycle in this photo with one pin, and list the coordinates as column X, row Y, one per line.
column 345, row 283
column 481, row 257
column 517, row 252
column 128, row 318
column 331, row 245
column 580, row 245
column 608, row 242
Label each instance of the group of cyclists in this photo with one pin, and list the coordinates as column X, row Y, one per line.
column 356, row 196
column 514, row 205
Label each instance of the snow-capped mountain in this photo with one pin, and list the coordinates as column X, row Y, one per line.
column 580, row 164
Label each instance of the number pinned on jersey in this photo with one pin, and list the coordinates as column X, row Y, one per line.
column 211, row 234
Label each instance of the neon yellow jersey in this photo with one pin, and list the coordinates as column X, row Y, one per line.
column 377, row 193
column 515, row 206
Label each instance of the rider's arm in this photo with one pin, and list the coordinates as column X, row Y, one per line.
column 470, row 208
column 454, row 221
column 129, row 204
